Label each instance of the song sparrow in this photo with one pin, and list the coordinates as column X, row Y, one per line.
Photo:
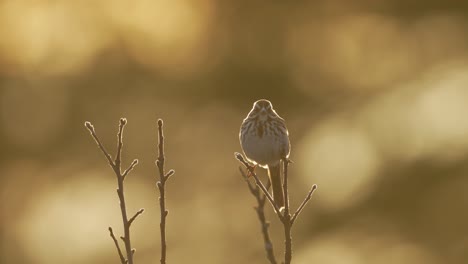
column 264, row 139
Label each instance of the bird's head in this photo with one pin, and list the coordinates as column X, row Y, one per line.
column 262, row 109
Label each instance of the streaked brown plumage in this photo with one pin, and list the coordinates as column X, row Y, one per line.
column 264, row 139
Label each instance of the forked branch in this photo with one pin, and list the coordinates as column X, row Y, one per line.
column 161, row 184
column 283, row 214
column 116, row 167
column 260, row 209
column 258, row 182
column 303, row 204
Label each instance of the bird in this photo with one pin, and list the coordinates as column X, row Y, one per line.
column 264, row 139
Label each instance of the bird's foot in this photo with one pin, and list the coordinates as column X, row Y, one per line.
column 251, row 170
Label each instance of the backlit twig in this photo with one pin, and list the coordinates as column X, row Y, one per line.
column 283, row 214
column 116, row 167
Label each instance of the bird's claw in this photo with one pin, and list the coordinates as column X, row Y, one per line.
column 251, row 170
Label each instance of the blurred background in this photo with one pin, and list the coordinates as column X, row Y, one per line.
column 375, row 95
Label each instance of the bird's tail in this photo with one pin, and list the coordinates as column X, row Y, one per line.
column 274, row 171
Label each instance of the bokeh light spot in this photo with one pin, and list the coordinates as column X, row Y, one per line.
column 341, row 160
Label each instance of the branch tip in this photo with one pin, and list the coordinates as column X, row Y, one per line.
column 170, row 173
column 239, row 157
column 116, row 243
column 130, row 168
column 116, row 166
column 123, row 121
column 303, row 204
column 160, row 122
column 139, row 212
column 89, row 125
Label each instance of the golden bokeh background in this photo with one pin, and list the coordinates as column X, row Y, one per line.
column 375, row 95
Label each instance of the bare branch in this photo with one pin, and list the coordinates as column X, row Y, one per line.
column 253, row 190
column 287, row 216
column 90, row 127
column 169, row 174
column 111, row 232
column 161, row 184
column 118, row 156
column 261, row 217
column 283, row 214
column 301, row 207
column 120, row 189
column 130, row 168
column 139, row 212
column 259, row 183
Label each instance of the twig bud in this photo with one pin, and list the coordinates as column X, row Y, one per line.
column 160, row 122
column 89, row 125
column 170, row 173
column 239, row 157
column 123, row 121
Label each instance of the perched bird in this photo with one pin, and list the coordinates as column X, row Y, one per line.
column 264, row 139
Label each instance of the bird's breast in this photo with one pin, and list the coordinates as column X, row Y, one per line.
column 265, row 149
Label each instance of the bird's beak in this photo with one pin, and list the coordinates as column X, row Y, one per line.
column 263, row 112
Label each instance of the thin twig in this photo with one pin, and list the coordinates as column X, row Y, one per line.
column 255, row 191
column 130, row 168
column 284, row 214
column 118, row 157
column 299, row 210
column 116, row 167
column 259, row 183
column 287, row 216
column 120, row 192
column 163, row 177
column 90, row 127
column 122, row 259
column 139, row 212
